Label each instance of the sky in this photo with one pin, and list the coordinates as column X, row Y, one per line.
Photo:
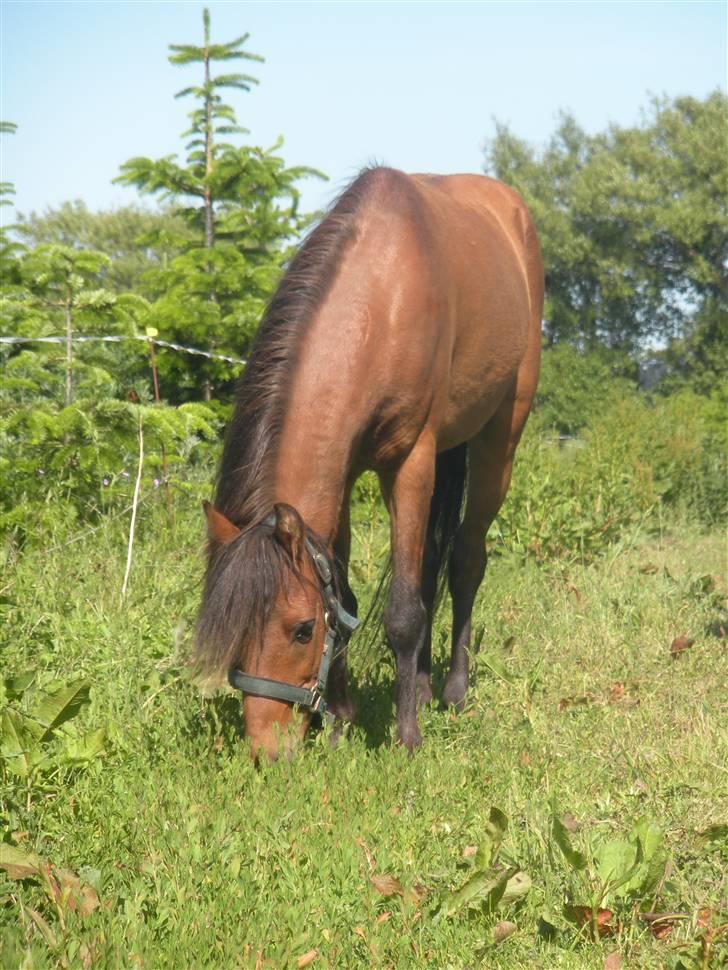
column 416, row 85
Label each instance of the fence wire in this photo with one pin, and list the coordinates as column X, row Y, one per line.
column 116, row 339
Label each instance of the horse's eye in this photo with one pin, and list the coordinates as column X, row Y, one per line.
column 303, row 632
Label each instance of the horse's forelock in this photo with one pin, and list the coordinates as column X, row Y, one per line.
column 242, row 583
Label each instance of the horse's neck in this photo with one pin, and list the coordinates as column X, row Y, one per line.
column 311, row 475
column 318, row 435
column 326, row 411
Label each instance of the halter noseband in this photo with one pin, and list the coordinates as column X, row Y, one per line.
column 339, row 627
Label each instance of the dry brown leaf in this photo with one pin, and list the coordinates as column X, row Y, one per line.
column 570, row 823
column 469, row 851
column 89, row 901
column 616, row 692
column 307, row 959
column 367, row 852
column 52, row 884
column 583, row 699
column 415, row 893
column 70, row 887
column 613, row 962
column 383, row 917
column 661, row 924
column 649, row 569
column 502, row 930
column 581, row 915
column 86, row 954
column 618, row 695
column 680, row 645
column 387, row 885
column 704, row 916
column 575, row 592
column 359, row 930
column 525, row 759
column 22, row 868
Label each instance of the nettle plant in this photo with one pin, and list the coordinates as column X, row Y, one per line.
column 611, row 878
column 495, row 881
column 37, row 739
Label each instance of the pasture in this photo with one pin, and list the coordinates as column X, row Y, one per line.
column 573, row 813
column 139, row 834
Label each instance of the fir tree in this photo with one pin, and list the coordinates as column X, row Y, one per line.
column 242, row 205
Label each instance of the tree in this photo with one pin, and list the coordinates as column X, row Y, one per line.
column 124, row 234
column 241, row 203
column 61, row 293
column 633, row 223
column 9, row 248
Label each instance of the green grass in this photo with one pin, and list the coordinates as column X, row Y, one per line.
column 199, row 860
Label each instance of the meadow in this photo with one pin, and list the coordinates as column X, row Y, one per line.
column 574, row 815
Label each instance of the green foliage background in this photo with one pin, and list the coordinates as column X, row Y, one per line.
column 606, row 549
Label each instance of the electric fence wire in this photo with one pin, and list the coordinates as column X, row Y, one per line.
column 118, row 338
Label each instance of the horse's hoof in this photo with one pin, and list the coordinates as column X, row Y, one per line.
column 343, row 710
column 409, row 738
column 424, row 690
column 454, row 692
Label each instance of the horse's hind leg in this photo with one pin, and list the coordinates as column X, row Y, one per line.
column 490, row 461
column 408, row 496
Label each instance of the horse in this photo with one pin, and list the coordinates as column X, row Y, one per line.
column 403, row 338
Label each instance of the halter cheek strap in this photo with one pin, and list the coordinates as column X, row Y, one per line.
column 339, row 627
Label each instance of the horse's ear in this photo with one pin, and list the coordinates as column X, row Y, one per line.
column 289, row 530
column 219, row 528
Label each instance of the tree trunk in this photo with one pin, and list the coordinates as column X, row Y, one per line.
column 209, row 230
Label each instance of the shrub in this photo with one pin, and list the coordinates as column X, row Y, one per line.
column 634, row 462
column 59, row 464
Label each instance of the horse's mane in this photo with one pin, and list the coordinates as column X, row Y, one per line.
column 251, row 444
column 244, row 576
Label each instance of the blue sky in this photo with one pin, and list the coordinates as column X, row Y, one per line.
column 415, row 85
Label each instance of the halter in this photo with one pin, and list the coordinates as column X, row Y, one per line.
column 339, row 627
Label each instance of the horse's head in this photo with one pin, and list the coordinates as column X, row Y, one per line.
column 263, row 619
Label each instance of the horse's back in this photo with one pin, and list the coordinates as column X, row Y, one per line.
column 490, row 259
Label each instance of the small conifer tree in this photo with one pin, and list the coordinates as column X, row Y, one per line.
column 241, row 202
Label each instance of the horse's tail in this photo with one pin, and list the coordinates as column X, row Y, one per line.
column 446, row 512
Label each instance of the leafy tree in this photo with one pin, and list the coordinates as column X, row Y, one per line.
column 9, row 248
column 61, row 292
column 124, row 234
column 633, row 223
column 575, row 388
column 241, row 203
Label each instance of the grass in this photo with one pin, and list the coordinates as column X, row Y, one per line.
column 199, row 860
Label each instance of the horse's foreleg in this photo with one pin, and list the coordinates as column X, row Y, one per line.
column 406, row 617
column 339, row 700
column 429, row 591
column 490, row 460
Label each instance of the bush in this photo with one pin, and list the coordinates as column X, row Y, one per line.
column 60, row 464
column 635, row 462
column 574, row 388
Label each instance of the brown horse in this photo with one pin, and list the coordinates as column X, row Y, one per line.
column 404, row 338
